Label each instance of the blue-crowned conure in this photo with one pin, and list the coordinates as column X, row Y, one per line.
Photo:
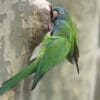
column 54, row 50
column 59, row 13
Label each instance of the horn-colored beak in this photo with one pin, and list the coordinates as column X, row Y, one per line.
column 55, row 14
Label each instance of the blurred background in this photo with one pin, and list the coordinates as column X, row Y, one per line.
column 63, row 82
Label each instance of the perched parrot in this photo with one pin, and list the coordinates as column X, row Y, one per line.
column 62, row 40
column 59, row 13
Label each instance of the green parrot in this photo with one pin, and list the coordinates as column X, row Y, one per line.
column 62, row 40
column 59, row 13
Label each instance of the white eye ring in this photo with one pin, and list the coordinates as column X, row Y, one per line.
column 62, row 12
column 56, row 23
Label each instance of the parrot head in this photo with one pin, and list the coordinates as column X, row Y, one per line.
column 59, row 13
column 58, row 25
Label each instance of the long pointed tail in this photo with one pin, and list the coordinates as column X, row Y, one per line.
column 77, row 66
column 18, row 77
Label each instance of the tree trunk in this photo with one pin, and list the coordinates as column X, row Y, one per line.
column 20, row 22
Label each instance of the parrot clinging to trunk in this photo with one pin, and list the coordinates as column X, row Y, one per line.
column 54, row 49
column 59, row 13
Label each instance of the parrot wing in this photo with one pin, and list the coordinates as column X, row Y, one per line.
column 54, row 50
column 74, row 56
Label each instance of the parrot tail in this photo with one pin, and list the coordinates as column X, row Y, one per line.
column 74, row 57
column 10, row 83
column 36, row 80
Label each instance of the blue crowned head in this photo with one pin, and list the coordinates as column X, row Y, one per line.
column 59, row 13
column 59, row 27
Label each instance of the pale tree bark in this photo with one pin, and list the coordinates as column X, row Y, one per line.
column 20, row 20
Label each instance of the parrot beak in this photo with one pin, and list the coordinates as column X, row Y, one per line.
column 55, row 14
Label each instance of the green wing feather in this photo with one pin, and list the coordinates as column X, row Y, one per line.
column 74, row 55
column 55, row 51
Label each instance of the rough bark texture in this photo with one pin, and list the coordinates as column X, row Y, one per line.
column 19, row 20
column 20, row 23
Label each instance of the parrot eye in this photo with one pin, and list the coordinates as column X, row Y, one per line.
column 61, row 12
column 56, row 23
